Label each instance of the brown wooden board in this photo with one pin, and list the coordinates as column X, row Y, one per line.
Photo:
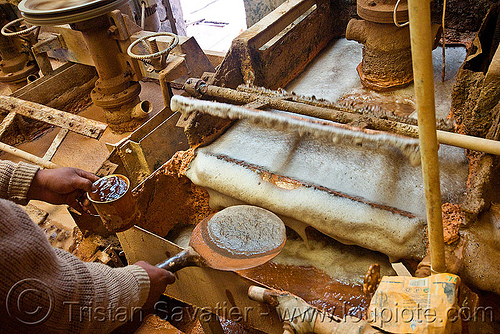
column 223, row 293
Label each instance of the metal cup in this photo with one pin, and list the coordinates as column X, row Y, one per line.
column 118, row 214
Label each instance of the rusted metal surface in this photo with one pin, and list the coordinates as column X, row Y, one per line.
column 115, row 90
column 134, row 161
column 140, row 155
column 386, row 60
column 75, row 123
column 335, row 115
column 40, row 50
column 382, row 11
column 17, row 62
column 278, row 47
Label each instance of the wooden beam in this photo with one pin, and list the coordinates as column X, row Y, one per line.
column 55, row 144
column 75, row 123
column 7, row 121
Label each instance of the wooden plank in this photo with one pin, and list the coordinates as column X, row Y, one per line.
column 7, row 121
column 65, row 85
column 273, row 23
column 273, row 51
column 55, row 144
column 75, row 123
column 216, row 291
column 27, row 156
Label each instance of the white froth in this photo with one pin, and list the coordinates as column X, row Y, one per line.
column 333, row 132
column 346, row 220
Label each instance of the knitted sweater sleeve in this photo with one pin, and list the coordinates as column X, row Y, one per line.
column 52, row 291
column 15, row 180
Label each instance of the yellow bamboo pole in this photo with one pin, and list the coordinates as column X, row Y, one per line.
column 419, row 13
column 27, row 156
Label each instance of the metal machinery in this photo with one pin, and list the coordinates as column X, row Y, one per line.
column 18, row 66
column 259, row 146
column 99, row 34
column 146, row 15
column 386, row 54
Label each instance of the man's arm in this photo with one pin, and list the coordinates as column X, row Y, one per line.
column 49, row 290
column 15, row 180
column 75, row 288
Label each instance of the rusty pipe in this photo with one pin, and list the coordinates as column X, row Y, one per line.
column 419, row 13
column 199, row 88
column 8, row 50
column 142, row 110
column 356, row 31
column 103, row 49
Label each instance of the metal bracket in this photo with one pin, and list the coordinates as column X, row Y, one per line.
column 134, row 160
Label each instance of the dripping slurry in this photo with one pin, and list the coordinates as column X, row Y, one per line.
column 333, row 131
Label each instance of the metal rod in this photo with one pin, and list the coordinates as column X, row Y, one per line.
column 469, row 142
column 169, row 15
column 143, row 14
column 341, row 116
column 419, row 13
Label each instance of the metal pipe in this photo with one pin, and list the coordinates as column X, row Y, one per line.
column 419, row 13
column 102, row 48
column 342, row 116
column 143, row 14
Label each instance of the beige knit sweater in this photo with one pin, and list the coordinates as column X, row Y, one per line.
column 47, row 290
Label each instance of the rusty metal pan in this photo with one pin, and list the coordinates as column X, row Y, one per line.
column 236, row 238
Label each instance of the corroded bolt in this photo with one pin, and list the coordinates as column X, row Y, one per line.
column 112, row 30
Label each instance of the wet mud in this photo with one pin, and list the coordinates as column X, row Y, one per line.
column 169, row 199
column 314, row 286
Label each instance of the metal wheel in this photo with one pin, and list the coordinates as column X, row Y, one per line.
column 152, row 47
column 6, row 29
column 42, row 13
